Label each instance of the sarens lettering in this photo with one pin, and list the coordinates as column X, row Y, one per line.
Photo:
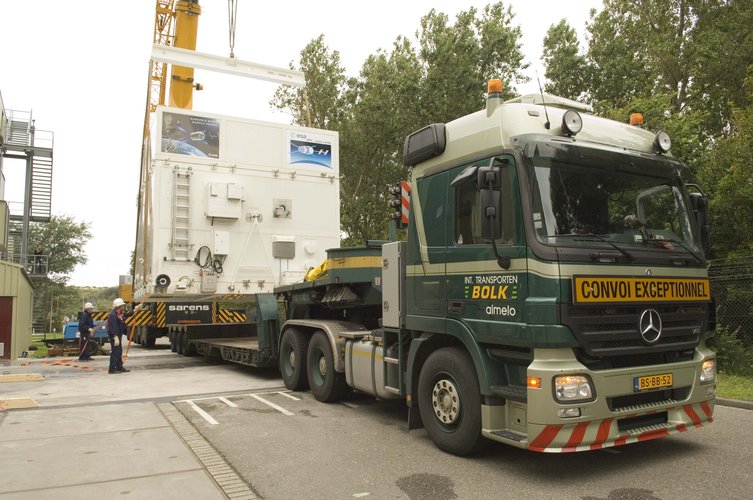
column 188, row 308
column 598, row 289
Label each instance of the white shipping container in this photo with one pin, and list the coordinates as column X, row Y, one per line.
column 251, row 203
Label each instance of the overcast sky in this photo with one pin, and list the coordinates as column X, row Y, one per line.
column 81, row 67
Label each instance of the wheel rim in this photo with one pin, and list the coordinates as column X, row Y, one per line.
column 445, row 401
column 319, row 366
column 291, row 359
column 322, row 367
column 289, row 366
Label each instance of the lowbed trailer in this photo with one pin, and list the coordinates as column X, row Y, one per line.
column 552, row 293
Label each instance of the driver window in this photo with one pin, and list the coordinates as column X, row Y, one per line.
column 467, row 210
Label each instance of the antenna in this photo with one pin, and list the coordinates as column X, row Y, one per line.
column 548, row 124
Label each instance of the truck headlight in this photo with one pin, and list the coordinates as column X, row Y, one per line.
column 708, row 371
column 568, row 388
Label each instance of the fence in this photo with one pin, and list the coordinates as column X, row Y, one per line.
column 732, row 287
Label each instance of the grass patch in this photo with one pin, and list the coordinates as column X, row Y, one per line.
column 734, row 387
column 40, row 342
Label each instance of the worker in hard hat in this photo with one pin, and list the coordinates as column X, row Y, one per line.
column 85, row 330
column 116, row 328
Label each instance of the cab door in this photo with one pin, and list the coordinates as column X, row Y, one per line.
column 480, row 293
column 427, row 246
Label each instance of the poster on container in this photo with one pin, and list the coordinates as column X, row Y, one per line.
column 190, row 135
column 309, row 149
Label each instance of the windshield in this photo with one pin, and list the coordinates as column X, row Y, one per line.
column 620, row 207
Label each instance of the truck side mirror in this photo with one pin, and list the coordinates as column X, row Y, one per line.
column 699, row 202
column 491, row 202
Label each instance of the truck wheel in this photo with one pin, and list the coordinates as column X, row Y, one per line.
column 148, row 339
column 179, row 336
column 326, row 384
column 189, row 349
column 449, row 401
column 293, row 348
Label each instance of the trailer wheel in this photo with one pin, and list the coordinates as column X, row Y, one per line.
column 326, row 384
column 449, row 401
column 173, row 342
column 293, row 347
column 189, row 349
column 179, row 336
column 148, row 338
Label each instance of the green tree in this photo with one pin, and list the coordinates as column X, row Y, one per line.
column 62, row 240
column 722, row 53
column 458, row 59
column 385, row 110
column 727, row 173
column 694, row 51
column 439, row 79
column 319, row 104
column 567, row 71
column 641, row 47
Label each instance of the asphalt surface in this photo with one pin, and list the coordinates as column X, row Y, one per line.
column 177, row 427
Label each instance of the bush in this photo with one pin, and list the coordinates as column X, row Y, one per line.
column 731, row 354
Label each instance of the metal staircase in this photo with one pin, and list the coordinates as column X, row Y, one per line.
column 24, row 142
column 40, row 203
column 180, row 243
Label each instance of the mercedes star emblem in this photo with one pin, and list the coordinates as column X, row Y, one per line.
column 649, row 325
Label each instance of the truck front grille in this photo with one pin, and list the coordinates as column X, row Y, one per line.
column 612, row 331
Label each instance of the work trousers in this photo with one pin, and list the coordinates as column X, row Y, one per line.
column 83, row 345
column 116, row 356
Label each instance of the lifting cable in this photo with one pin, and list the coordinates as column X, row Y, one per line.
column 232, row 14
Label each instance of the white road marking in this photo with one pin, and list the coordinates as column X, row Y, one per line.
column 349, row 405
column 201, row 412
column 360, row 495
column 228, row 402
column 269, row 403
column 288, row 396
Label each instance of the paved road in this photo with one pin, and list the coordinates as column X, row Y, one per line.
column 287, row 445
column 305, row 449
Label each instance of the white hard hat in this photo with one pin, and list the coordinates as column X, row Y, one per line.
column 118, row 302
column 88, row 305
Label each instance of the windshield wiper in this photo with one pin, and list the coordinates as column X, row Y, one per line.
column 595, row 255
column 680, row 244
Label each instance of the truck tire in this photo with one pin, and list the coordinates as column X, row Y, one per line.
column 449, row 401
column 293, row 349
column 326, row 384
column 148, row 339
column 173, row 342
column 179, row 336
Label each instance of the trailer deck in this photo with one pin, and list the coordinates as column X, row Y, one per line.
column 241, row 350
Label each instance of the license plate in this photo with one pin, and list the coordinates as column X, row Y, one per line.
column 652, row 382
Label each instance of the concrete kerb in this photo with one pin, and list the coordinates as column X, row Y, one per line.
column 222, row 473
column 735, row 403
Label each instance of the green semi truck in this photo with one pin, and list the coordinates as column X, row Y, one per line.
column 551, row 293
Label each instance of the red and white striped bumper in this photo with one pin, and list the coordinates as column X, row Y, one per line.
column 598, row 434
